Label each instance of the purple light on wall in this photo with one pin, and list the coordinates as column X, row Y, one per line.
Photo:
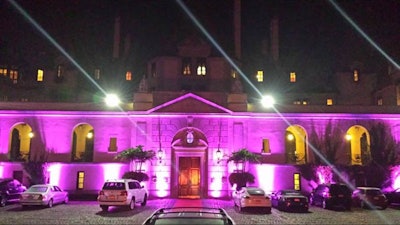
column 396, row 177
column 111, row 171
column 216, row 183
column 324, row 174
column 54, row 173
column 266, row 177
column 162, row 185
column 1, row 170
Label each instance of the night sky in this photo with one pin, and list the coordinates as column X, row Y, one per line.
column 314, row 38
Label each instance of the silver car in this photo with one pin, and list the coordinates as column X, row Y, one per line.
column 252, row 197
column 43, row 195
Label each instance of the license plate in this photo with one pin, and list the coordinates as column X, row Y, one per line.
column 296, row 200
column 340, row 196
column 257, row 201
column 111, row 197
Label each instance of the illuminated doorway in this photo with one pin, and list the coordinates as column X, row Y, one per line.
column 20, row 142
column 296, row 145
column 82, row 143
column 358, row 142
column 189, row 177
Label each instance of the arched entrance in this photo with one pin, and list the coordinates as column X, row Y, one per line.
column 189, row 164
column 82, row 143
column 296, row 145
column 359, row 144
column 20, row 142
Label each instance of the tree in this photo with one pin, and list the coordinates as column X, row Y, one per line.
column 243, row 156
column 137, row 155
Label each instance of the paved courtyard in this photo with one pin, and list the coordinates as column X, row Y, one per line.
column 88, row 212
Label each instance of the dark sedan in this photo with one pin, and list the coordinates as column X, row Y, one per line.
column 393, row 197
column 285, row 200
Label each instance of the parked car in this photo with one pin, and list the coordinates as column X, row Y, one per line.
column 289, row 200
column 10, row 190
column 393, row 196
column 190, row 215
column 43, row 195
column 252, row 197
column 332, row 195
column 369, row 197
column 123, row 192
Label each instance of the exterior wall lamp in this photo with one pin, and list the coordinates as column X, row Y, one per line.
column 31, row 134
column 218, row 154
column 160, row 154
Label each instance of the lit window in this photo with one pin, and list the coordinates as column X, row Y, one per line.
column 201, row 70
column 14, row 76
column 113, row 145
column 355, row 76
column 39, row 75
column 380, row 101
column 59, row 71
column 128, row 75
column 292, row 77
column 97, row 74
column 296, row 181
column 329, row 101
column 234, row 74
column 297, row 102
column 80, row 180
column 3, row 71
column 187, row 69
column 266, row 149
column 260, row 76
column 305, row 102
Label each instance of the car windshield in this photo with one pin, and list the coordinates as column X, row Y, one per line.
column 373, row 192
column 114, row 186
column 37, row 189
column 255, row 191
column 168, row 221
column 340, row 189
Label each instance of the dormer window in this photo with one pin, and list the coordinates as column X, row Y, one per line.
column 39, row 75
column 292, row 77
column 356, row 76
column 186, row 70
column 260, row 76
column 128, row 75
column 201, row 67
column 97, row 74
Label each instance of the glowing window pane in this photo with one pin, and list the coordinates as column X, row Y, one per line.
column 329, row 101
column 355, row 75
column 128, row 75
column 292, row 77
column 260, row 76
column 3, row 71
column 59, row 71
column 113, row 145
column 186, row 70
column 80, row 180
column 97, row 74
column 296, row 181
column 40, row 75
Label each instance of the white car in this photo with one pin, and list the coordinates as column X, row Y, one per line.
column 43, row 195
column 122, row 192
column 252, row 197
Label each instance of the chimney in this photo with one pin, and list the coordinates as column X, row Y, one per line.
column 117, row 30
column 275, row 39
column 237, row 28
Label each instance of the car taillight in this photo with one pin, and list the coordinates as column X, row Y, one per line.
column 124, row 193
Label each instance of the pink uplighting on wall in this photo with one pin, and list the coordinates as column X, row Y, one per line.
column 266, row 177
column 396, row 177
column 54, row 173
column 161, row 180
column 324, row 174
column 216, row 183
column 111, row 171
column 1, row 170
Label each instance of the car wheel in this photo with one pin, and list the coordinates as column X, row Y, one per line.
column 50, row 204
column 104, row 208
column 132, row 204
column 144, row 201
column 3, row 201
column 66, row 200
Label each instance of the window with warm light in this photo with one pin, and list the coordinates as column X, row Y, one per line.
column 329, row 101
column 97, row 74
column 265, row 147
column 128, row 75
column 186, row 70
column 3, row 71
column 355, row 76
column 305, row 102
column 292, row 77
column 39, row 75
column 201, row 67
column 296, row 181
column 59, row 71
column 260, row 76
column 14, row 76
column 234, row 74
column 80, row 180
column 113, row 145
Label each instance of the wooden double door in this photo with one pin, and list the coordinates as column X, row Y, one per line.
column 189, row 177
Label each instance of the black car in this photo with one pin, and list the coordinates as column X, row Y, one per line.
column 10, row 190
column 289, row 200
column 329, row 196
column 189, row 215
column 393, row 197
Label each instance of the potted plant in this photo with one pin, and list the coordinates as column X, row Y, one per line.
column 241, row 177
column 136, row 156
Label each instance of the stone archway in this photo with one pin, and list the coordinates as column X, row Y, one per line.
column 296, row 145
column 358, row 139
column 189, row 162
